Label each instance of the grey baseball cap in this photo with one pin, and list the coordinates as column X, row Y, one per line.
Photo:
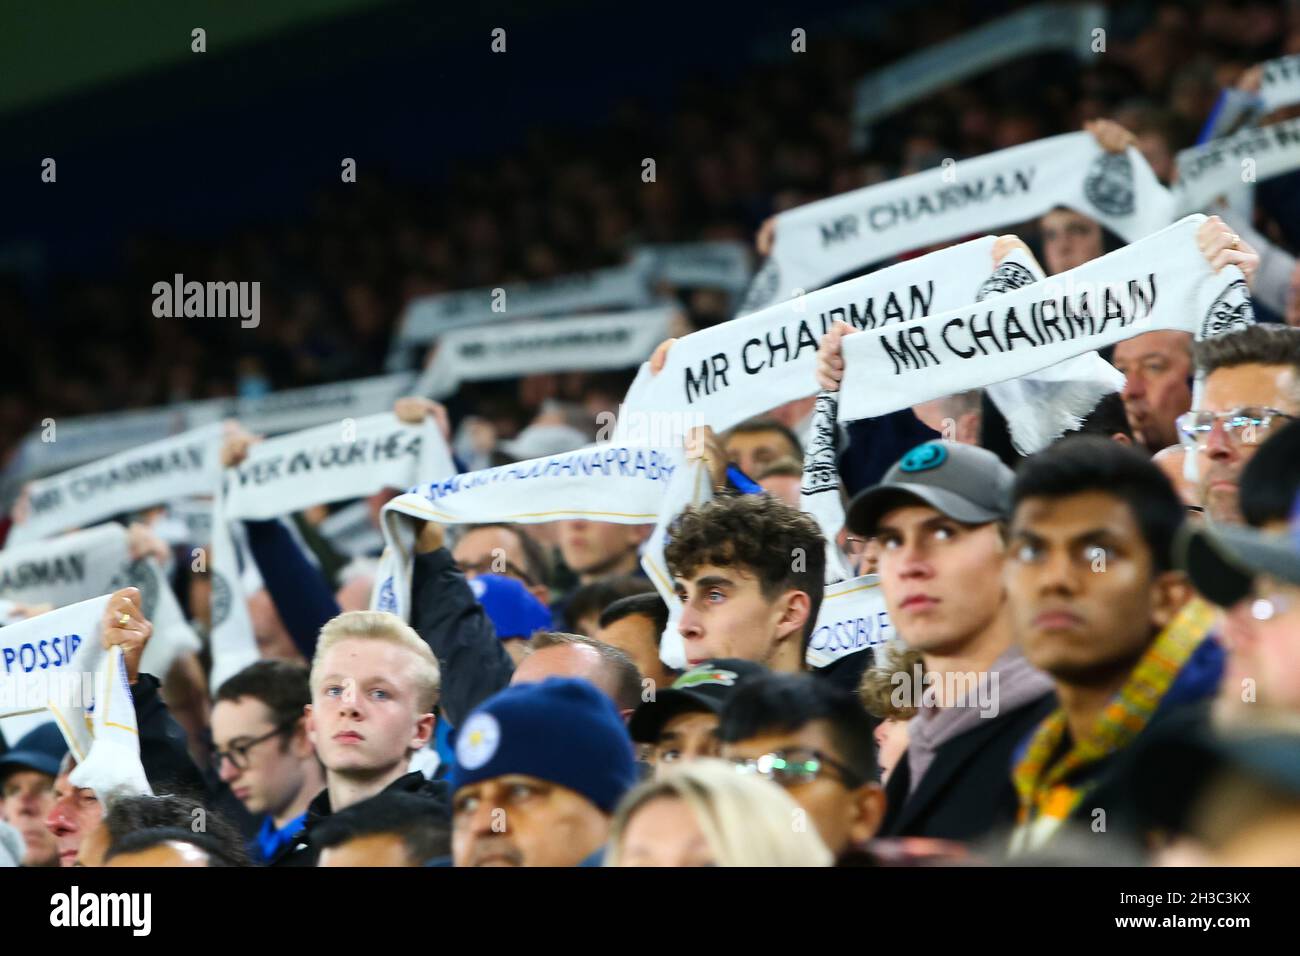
column 965, row 482
column 1223, row 561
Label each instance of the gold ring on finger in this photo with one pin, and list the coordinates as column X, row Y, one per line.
column 124, row 620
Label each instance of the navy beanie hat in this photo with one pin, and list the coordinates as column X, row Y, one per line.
column 562, row 730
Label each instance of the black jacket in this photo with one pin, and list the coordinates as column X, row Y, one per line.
column 164, row 750
column 966, row 792
column 303, row 853
column 445, row 613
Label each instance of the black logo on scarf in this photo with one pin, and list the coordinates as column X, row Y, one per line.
column 1109, row 185
column 819, row 471
column 220, row 600
column 1008, row 276
column 763, row 287
column 1230, row 312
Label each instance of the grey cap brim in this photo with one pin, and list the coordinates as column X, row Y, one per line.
column 866, row 510
column 1223, row 561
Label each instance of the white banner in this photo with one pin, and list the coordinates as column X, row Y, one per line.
column 621, row 287
column 730, row 372
column 1222, row 167
column 1280, row 83
column 852, row 618
column 822, row 241
column 819, row 491
column 112, row 768
column 1067, row 27
column 51, row 657
column 67, row 442
column 128, row 481
column 1161, row 282
column 690, row 485
column 75, row 567
column 292, row 472
column 585, row 343
column 618, row 484
column 718, row 264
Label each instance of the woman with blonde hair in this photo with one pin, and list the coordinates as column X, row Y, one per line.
column 709, row 813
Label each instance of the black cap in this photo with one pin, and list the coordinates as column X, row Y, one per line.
column 41, row 749
column 1223, row 561
column 965, row 482
column 702, row 689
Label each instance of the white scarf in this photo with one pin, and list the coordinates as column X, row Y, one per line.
column 429, row 317
column 48, row 662
column 722, row 375
column 1280, row 84
column 1216, row 168
column 613, row 483
column 817, row 243
column 77, row 566
column 852, row 618
column 690, row 485
column 287, row 474
column 819, row 491
column 127, row 481
column 1067, row 27
column 719, row 264
column 112, row 768
column 584, row 343
column 725, row 374
column 1162, row 282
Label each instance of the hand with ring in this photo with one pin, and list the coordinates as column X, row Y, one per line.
column 1221, row 247
column 125, row 625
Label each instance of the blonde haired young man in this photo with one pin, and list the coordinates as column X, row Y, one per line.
column 374, row 690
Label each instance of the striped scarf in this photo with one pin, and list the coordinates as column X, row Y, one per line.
column 1043, row 784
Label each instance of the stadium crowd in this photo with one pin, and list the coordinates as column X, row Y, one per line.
column 1094, row 649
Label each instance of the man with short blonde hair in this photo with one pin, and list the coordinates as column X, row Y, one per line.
column 374, row 690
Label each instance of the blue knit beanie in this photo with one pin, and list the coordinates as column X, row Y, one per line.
column 562, row 730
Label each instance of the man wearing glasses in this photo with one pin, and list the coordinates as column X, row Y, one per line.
column 262, row 752
column 1252, row 389
column 1253, row 573
column 815, row 740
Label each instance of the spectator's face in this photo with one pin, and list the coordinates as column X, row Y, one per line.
column 942, row 580
column 376, row 849
column 726, row 614
column 1222, row 459
column 595, row 548
column 1157, row 369
column 664, row 832
column 172, row 853
column 364, row 715
column 785, row 487
column 28, row 797
column 684, row 738
column 75, row 813
column 517, row 820
column 491, row 551
column 272, row 773
column 1265, row 653
column 636, row 635
column 842, row 815
column 1069, row 240
column 1085, row 596
column 750, row 451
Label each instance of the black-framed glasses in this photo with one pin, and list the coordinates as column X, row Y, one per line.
column 238, row 753
column 489, row 566
column 1248, row 425
column 795, row 766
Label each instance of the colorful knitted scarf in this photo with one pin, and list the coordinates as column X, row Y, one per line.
column 1047, row 795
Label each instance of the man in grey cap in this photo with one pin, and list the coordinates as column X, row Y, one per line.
column 937, row 516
